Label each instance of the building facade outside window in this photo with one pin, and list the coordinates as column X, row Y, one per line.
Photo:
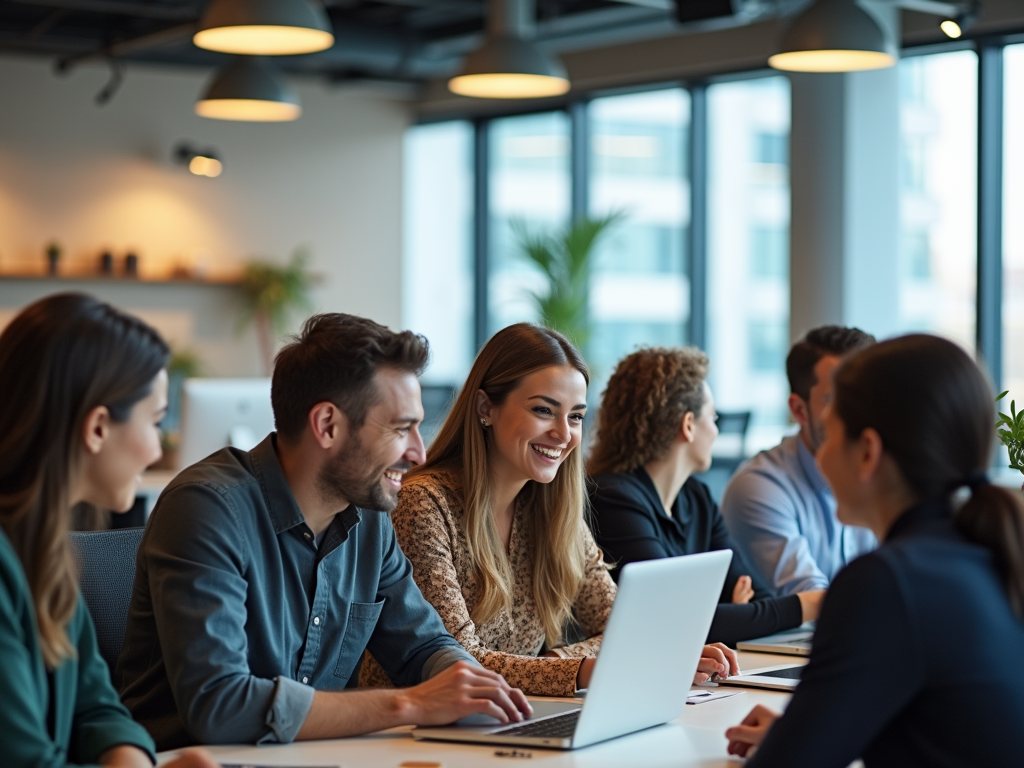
column 529, row 186
column 437, row 284
column 1013, row 223
column 938, row 194
column 748, row 252
column 640, row 293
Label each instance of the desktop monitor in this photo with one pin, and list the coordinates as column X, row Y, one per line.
column 216, row 413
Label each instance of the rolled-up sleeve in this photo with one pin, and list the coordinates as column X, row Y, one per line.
column 410, row 641
column 196, row 568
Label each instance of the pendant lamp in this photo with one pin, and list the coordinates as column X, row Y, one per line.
column 834, row 36
column 264, row 27
column 508, row 65
column 249, row 89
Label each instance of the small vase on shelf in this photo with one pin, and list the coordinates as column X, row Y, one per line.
column 53, row 259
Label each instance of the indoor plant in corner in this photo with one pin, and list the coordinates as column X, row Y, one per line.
column 273, row 292
column 565, row 260
column 1010, row 429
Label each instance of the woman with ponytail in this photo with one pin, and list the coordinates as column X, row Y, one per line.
column 85, row 388
column 909, row 433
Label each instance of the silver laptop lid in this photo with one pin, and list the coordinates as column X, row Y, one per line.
column 652, row 644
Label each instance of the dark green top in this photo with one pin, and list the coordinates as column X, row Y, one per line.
column 69, row 717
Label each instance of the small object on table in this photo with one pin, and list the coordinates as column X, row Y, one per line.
column 107, row 263
column 513, row 753
column 702, row 697
column 131, row 265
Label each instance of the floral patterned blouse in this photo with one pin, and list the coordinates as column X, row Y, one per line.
column 428, row 524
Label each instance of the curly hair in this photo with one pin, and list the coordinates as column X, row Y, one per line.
column 643, row 405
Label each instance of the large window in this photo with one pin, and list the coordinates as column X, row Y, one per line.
column 748, row 251
column 438, row 252
column 633, row 156
column 529, row 184
column 938, row 194
column 1013, row 221
column 639, row 289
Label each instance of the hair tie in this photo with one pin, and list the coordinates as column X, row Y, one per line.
column 975, row 480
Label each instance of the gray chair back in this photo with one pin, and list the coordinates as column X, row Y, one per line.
column 106, row 564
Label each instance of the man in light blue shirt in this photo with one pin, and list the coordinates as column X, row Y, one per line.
column 777, row 506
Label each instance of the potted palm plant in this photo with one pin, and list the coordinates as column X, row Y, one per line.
column 565, row 260
column 274, row 292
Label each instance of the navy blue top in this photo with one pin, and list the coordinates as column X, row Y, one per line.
column 917, row 660
column 238, row 613
column 630, row 525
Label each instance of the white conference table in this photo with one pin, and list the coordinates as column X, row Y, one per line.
column 695, row 739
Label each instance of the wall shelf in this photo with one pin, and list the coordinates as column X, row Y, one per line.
column 116, row 280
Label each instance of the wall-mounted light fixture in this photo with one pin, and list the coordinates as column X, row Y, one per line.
column 201, row 162
column 834, row 36
column 249, row 89
column 264, row 27
column 955, row 25
column 508, row 65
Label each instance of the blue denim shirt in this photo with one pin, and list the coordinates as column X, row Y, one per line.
column 238, row 613
column 782, row 516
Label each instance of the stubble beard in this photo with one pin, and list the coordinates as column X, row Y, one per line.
column 348, row 478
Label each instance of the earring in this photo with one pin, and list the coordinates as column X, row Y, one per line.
column 483, row 423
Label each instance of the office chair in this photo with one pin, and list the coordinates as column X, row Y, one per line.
column 106, row 564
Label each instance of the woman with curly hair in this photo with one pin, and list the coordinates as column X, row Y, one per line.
column 656, row 428
column 493, row 521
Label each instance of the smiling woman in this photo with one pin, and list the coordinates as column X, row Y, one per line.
column 493, row 521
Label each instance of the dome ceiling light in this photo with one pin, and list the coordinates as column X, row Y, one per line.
column 249, row 90
column 508, row 65
column 264, row 27
column 834, row 36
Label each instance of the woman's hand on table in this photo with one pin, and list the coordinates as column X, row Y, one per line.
column 743, row 592
column 751, row 732
column 716, row 659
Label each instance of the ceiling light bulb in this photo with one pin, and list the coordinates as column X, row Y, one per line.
column 510, row 68
column 264, row 27
column 508, row 85
column 834, row 36
column 951, row 28
column 249, row 90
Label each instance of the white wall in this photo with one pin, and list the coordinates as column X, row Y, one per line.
column 97, row 178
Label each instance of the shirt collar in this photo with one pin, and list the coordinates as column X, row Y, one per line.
column 810, row 468
column 922, row 515
column 284, row 511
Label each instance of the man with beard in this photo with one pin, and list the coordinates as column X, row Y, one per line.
column 778, row 507
column 264, row 574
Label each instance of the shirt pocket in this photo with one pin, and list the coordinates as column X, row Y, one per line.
column 362, row 618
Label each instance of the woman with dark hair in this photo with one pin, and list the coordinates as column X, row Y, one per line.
column 655, row 431
column 910, row 424
column 85, row 388
column 493, row 521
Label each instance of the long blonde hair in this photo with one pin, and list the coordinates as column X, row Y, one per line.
column 555, row 520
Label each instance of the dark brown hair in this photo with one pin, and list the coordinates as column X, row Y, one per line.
column 59, row 359
column 833, row 340
column 933, row 408
column 644, row 404
column 334, row 359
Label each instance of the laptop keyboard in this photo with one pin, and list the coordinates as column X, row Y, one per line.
column 558, row 727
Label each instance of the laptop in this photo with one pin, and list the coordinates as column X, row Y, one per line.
column 643, row 673
column 779, row 677
column 795, row 642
